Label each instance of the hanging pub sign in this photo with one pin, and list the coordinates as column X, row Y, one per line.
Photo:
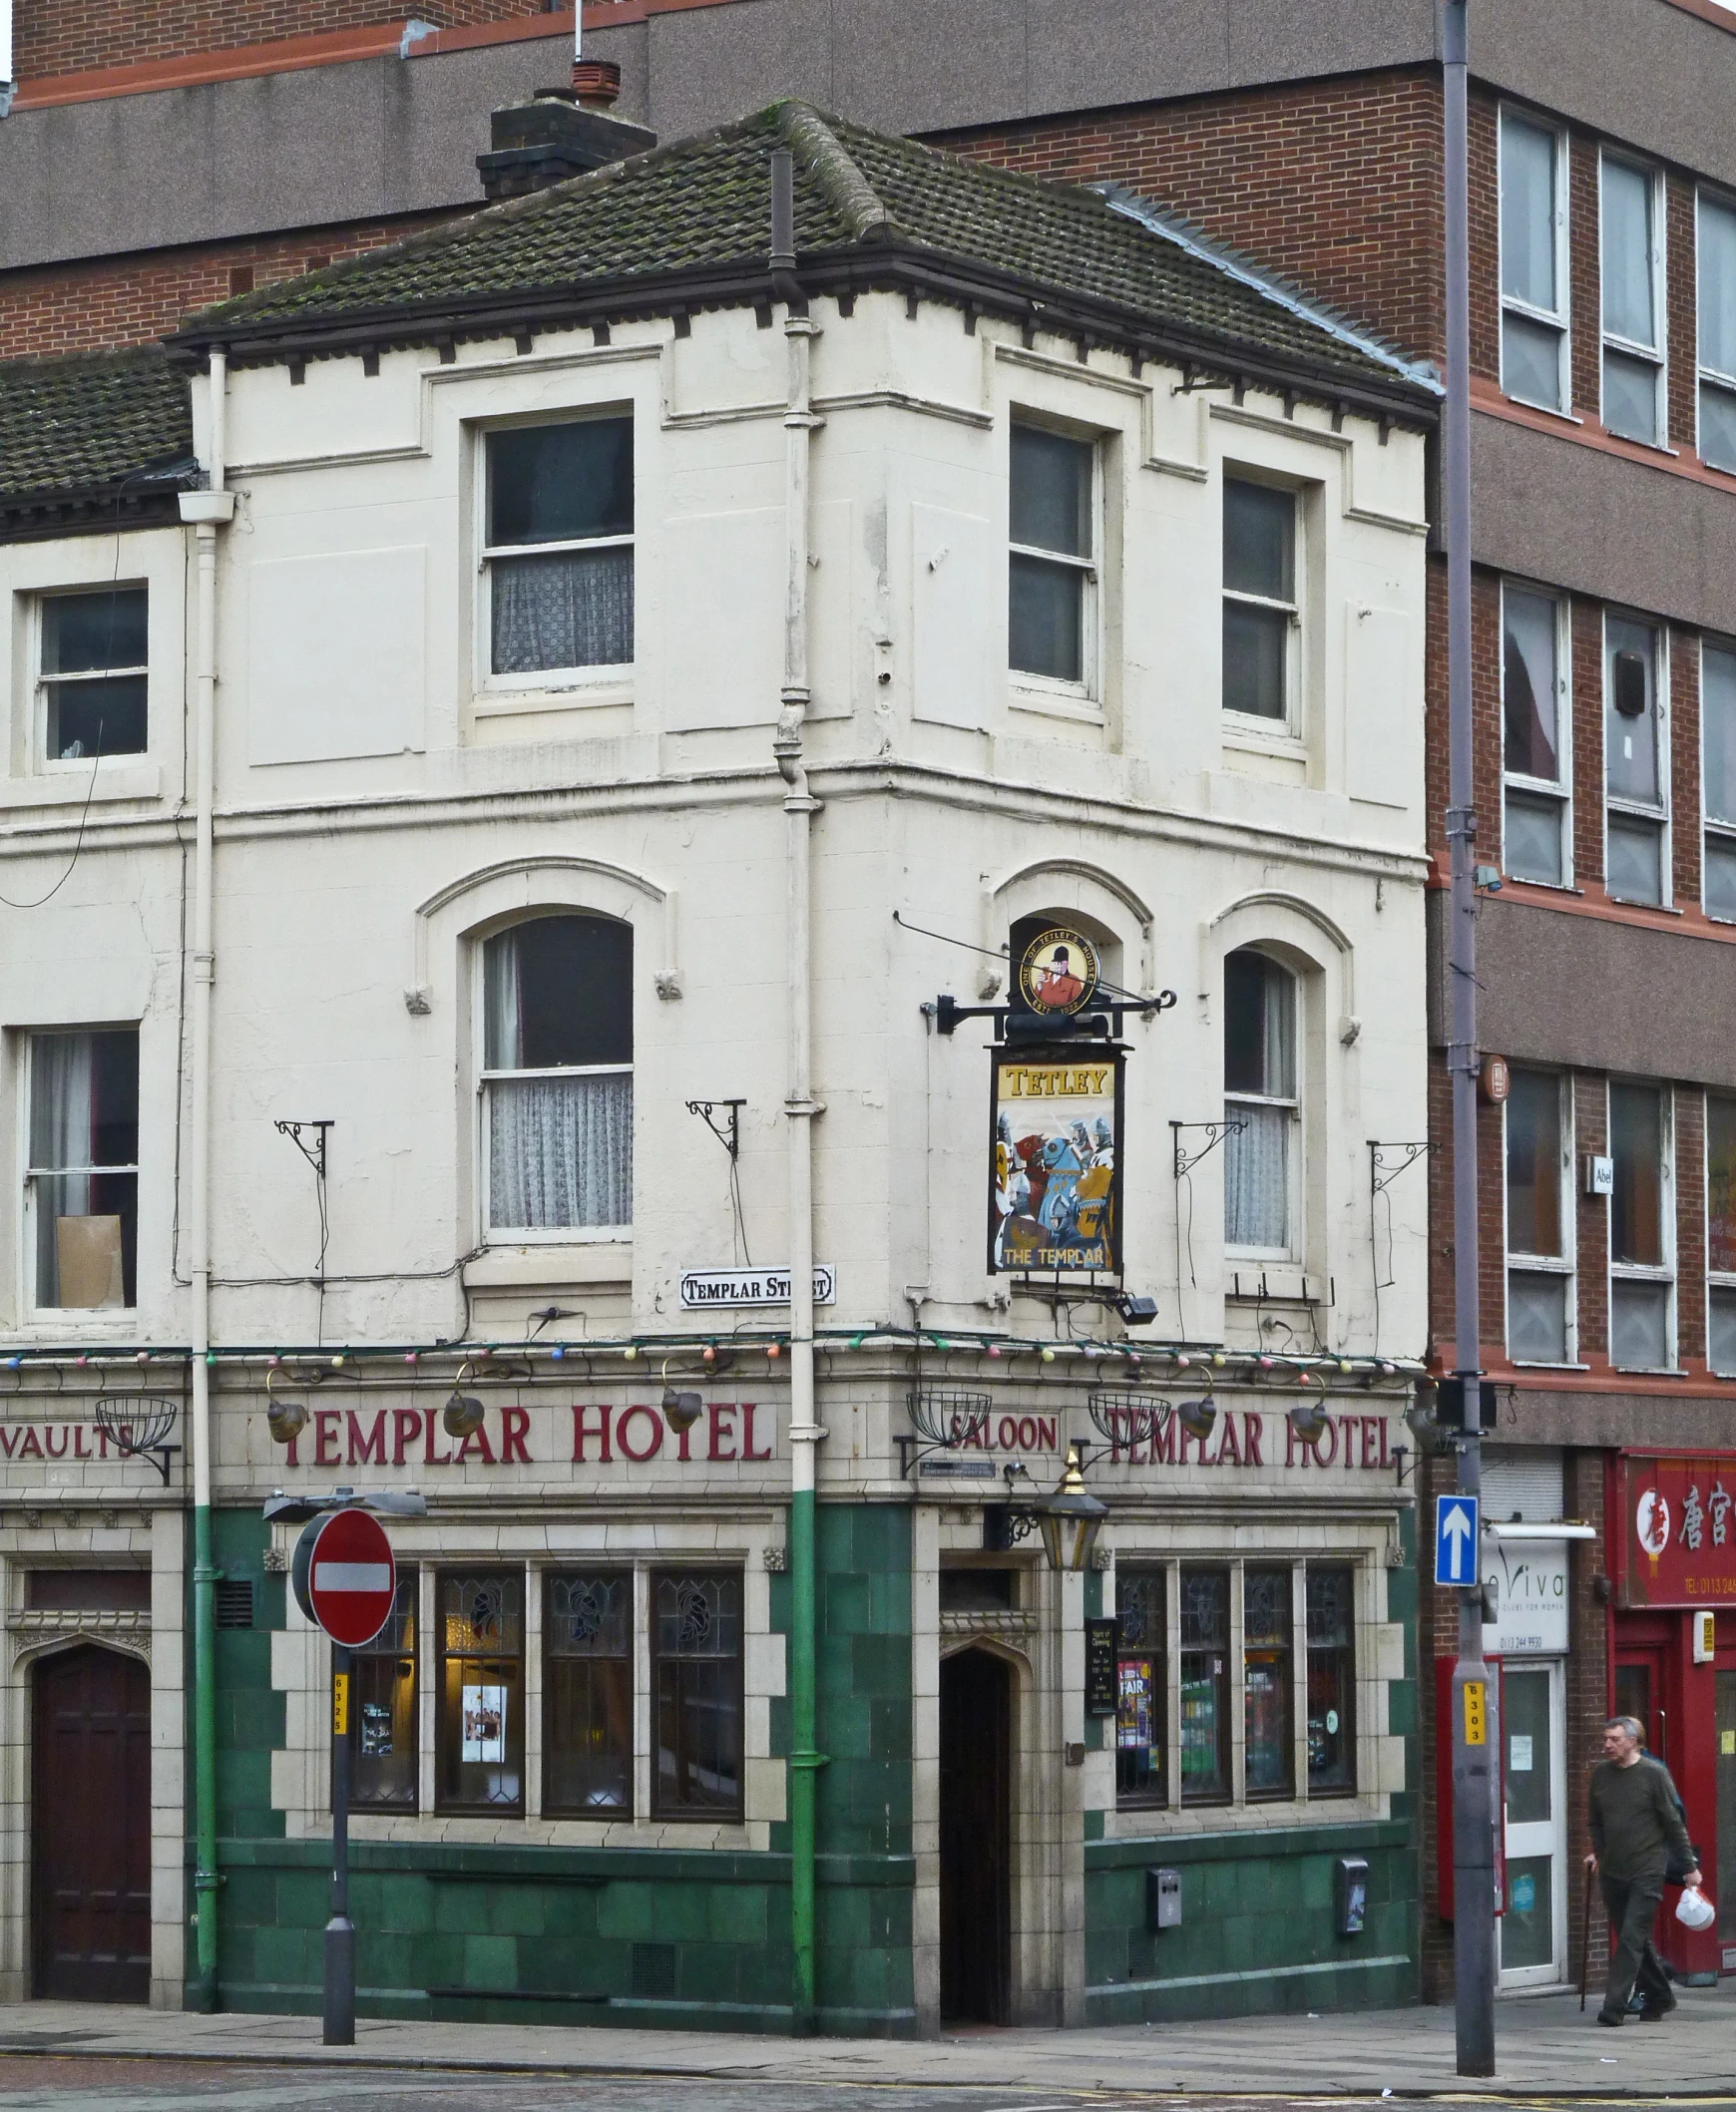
column 1056, row 976
column 1055, row 1129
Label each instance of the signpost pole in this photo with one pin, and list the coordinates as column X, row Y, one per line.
column 1473, row 1806
column 340, row 1929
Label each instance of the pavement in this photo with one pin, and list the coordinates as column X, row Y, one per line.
column 1544, row 2046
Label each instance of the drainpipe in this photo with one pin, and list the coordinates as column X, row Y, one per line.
column 204, row 511
column 800, row 1106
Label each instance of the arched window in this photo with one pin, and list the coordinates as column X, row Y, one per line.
column 1259, row 1079
column 558, row 1075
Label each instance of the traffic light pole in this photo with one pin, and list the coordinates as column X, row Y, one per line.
column 1473, row 1809
column 340, row 1929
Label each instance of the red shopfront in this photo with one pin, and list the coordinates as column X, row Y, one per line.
column 1674, row 1562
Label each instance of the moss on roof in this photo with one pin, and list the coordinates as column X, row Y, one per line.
column 704, row 202
column 75, row 429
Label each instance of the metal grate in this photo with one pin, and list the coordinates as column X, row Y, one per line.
column 234, row 1602
column 653, row 1972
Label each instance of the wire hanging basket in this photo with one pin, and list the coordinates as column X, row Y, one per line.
column 948, row 1417
column 140, row 1425
column 1125, row 1417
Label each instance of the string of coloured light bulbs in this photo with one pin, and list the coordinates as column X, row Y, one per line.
column 1305, row 1368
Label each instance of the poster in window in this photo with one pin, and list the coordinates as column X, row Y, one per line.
column 1133, row 1727
column 1054, row 1174
column 376, row 1730
column 484, row 1725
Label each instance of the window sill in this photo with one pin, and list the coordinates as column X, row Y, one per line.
column 1650, row 1370
column 1076, row 706
column 71, row 788
column 1544, row 410
column 1259, row 737
column 1526, row 1364
column 552, row 1261
column 518, row 704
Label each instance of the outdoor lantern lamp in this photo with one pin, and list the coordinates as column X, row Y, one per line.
column 1070, row 1518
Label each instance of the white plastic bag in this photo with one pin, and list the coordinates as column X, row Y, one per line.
column 1694, row 1909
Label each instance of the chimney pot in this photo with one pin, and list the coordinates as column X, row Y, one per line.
column 596, row 82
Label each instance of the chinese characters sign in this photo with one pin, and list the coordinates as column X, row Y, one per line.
column 1677, row 1538
column 1053, row 1184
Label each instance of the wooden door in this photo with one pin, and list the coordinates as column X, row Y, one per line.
column 976, row 1771
column 91, row 1828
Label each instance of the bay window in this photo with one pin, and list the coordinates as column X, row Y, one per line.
column 92, row 674
column 1053, row 558
column 1540, row 1279
column 81, row 1186
column 1533, row 695
column 1715, row 284
column 1718, row 779
column 1261, row 1109
column 1260, row 608
column 1533, row 264
column 1631, row 257
column 1721, row 1234
column 1634, row 762
column 558, row 1078
column 1640, row 1242
column 558, row 556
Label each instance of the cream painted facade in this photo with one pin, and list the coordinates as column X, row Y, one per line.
column 383, row 804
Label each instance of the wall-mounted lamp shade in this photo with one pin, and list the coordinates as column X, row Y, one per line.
column 681, row 1410
column 463, row 1417
column 1197, row 1418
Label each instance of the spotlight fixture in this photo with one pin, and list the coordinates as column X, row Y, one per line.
column 1197, row 1417
column 464, row 1413
column 1308, row 1418
column 681, row 1410
column 285, row 1419
column 1136, row 1312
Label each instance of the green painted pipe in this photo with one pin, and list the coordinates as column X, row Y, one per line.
column 201, row 1992
column 804, row 1761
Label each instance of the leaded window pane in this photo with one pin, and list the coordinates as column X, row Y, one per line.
column 696, row 1692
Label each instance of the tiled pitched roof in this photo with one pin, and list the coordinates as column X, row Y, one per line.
column 703, row 204
column 76, row 430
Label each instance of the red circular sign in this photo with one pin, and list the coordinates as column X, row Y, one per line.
column 351, row 1576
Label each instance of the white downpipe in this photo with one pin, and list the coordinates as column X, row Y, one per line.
column 799, row 806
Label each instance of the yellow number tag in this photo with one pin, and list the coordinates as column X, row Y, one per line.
column 340, row 1704
column 1476, row 1713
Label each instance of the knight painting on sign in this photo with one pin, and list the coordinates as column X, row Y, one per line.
column 1054, row 1189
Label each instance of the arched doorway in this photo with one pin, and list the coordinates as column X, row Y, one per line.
column 90, row 1826
column 976, row 1877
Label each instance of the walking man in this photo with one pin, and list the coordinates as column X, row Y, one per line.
column 1636, row 1833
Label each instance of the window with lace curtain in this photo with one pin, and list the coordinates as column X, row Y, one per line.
column 81, row 1185
column 557, row 1083
column 556, row 562
column 1261, row 1112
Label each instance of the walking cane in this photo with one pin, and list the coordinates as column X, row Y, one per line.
column 1585, row 1945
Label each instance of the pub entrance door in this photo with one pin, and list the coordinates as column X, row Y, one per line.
column 975, row 1785
column 90, row 1827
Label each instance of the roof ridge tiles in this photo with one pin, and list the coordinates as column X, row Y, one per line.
column 845, row 189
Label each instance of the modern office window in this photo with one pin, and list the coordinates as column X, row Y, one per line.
column 1141, row 1727
column 1641, row 1245
column 1331, row 1592
column 1539, row 1272
column 1539, row 777
column 382, row 1716
column 1261, row 615
column 1715, row 281
column 587, row 1694
column 81, row 1186
column 558, row 546
column 1633, row 761
column 1718, row 777
column 1261, row 1108
column 1631, row 254
column 696, row 1699
column 1721, row 1234
column 1053, row 560
column 1533, row 264
column 1268, row 1661
column 558, row 1077
column 1205, row 1686
column 482, row 1692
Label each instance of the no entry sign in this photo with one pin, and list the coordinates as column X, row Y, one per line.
column 344, row 1576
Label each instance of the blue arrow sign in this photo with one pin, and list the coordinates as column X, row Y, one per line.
column 1455, row 1540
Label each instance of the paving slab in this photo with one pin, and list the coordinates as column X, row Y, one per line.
column 1545, row 2045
